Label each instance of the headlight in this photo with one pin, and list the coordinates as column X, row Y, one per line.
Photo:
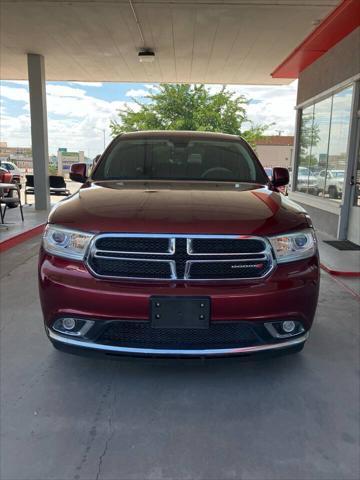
column 294, row 246
column 66, row 243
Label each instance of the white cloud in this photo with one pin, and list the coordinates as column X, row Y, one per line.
column 273, row 104
column 89, row 84
column 64, row 91
column 76, row 120
column 17, row 94
column 17, row 82
column 15, row 130
column 268, row 104
column 137, row 93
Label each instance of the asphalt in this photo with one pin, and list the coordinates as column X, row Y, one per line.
column 68, row 417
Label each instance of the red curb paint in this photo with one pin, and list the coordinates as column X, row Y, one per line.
column 339, row 273
column 21, row 237
column 346, row 287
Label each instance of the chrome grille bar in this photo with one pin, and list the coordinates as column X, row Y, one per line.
column 186, row 255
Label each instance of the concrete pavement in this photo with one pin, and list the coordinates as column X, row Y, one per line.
column 67, row 417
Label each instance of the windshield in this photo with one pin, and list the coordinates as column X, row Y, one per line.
column 180, row 159
column 268, row 171
column 304, row 171
column 338, row 173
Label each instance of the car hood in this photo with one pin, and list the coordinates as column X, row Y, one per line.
column 305, row 178
column 178, row 207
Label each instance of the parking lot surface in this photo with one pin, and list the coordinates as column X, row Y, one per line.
column 69, row 417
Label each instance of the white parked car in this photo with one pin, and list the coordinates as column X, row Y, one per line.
column 331, row 182
column 306, row 181
column 13, row 169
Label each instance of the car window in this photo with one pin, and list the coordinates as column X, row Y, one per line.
column 180, row 159
column 304, row 171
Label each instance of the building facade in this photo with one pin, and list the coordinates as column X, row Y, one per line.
column 65, row 159
column 21, row 156
column 326, row 163
column 275, row 150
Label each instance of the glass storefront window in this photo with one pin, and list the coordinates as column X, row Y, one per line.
column 340, row 124
column 319, row 146
column 303, row 172
column 323, row 146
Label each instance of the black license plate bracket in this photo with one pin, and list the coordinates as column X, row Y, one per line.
column 180, row 312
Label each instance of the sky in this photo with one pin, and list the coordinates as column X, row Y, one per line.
column 79, row 112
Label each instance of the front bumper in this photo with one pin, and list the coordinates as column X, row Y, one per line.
column 67, row 289
column 76, row 346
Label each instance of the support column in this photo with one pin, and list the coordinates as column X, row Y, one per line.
column 39, row 131
column 349, row 185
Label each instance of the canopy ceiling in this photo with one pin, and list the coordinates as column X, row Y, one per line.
column 233, row 42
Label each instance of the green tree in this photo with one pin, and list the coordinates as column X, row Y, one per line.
column 309, row 138
column 53, row 170
column 189, row 107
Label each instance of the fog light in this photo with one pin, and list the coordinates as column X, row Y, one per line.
column 284, row 329
column 68, row 323
column 73, row 326
column 288, row 326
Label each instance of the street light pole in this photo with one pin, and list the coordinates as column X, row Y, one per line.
column 102, row 130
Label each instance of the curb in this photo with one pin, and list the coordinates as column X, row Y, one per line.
column 339, row 273
column 21, row 237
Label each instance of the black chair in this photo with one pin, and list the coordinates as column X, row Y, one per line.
column 57, row 186
column 29, row 186
column 8, row 200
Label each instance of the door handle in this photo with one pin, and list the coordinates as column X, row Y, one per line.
column 353, row 181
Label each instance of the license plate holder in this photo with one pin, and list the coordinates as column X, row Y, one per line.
column 180, row 312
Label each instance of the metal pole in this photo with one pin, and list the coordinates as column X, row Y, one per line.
column 39, row 131
column 104, row 132
column 296, row 150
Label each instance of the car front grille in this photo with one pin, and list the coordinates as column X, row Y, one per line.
column 179, row 257
column 142, row 335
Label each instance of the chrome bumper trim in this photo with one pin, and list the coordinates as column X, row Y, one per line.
column 175, row 353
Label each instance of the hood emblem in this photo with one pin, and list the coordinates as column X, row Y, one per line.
column 247, row 265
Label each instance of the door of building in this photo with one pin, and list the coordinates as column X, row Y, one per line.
column 354, row 212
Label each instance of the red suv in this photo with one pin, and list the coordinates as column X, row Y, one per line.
column 178, row 244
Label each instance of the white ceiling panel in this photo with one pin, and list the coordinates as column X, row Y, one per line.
column 233, row 41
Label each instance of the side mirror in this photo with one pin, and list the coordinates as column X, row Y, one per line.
column 78, row 172
column 280, row 176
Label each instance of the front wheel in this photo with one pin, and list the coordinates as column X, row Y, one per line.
column 333, row 193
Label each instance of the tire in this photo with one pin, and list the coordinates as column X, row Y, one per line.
column 11, row 195
column 333, row 193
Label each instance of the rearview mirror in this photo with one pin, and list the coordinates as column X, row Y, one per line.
column 78, row 172
column 280, row 176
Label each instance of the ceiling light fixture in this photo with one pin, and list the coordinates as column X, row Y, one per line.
column 146, row 56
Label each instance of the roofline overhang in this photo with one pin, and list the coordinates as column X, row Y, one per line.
column 337, row 25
